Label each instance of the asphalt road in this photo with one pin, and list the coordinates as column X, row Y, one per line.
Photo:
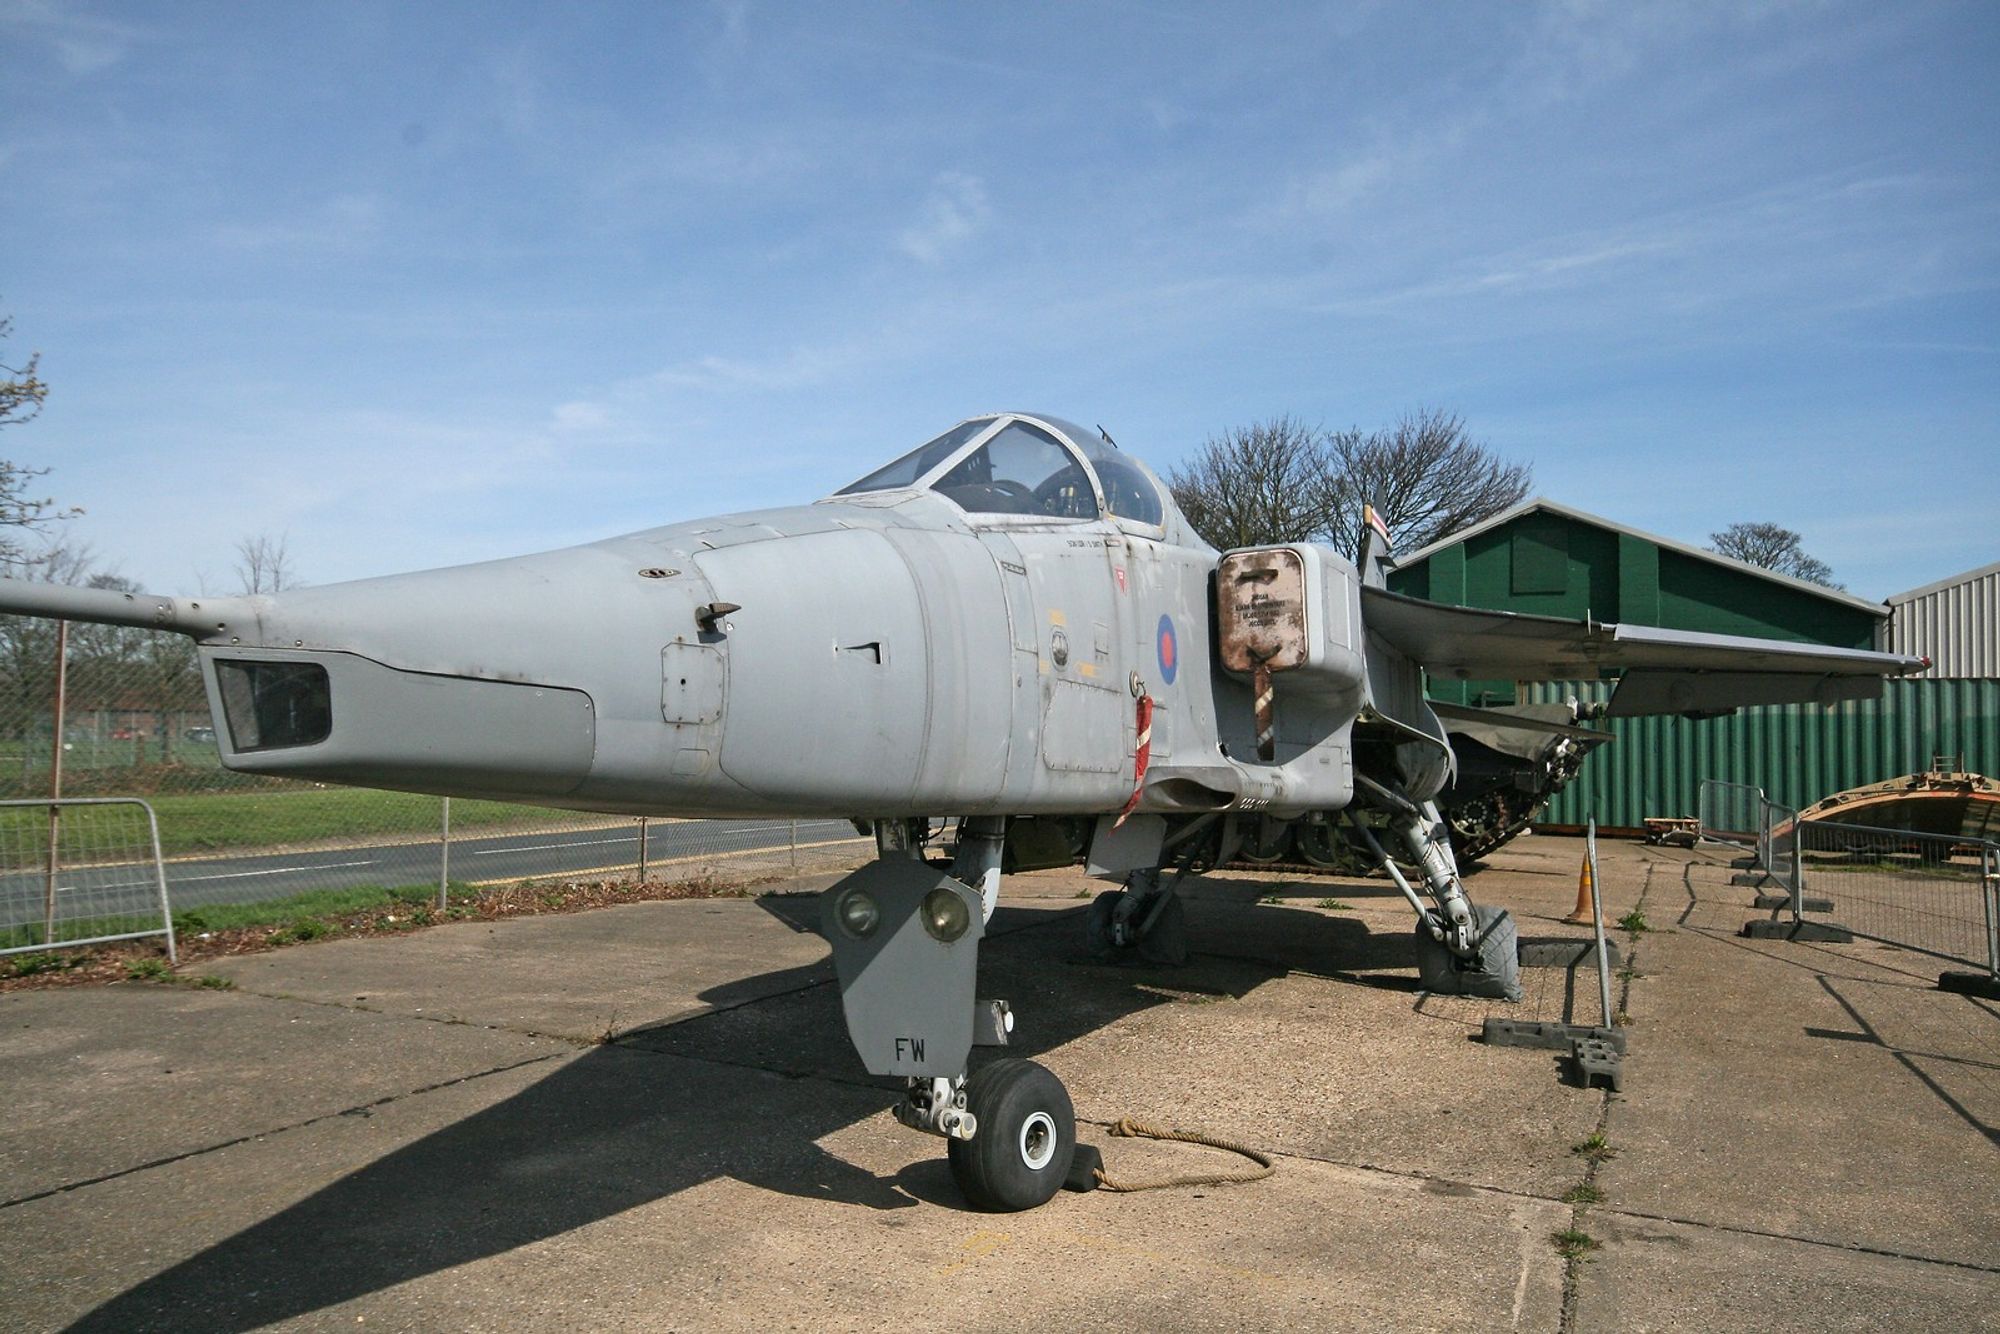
column 121, row 886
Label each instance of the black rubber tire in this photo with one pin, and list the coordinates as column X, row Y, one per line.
column 1267, row 845
column 1097, row 923
column 1025, row 1118
column 1326, row 847
column 1165, row 944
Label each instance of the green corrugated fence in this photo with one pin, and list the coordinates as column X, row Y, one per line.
column 1797, row 753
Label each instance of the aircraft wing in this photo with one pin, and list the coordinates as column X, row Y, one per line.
column 1464, row 718
column 1666, row 671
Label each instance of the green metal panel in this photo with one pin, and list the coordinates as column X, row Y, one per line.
column 1555, row 565
column 1638, row 581
column 1447, row 571
column 1701, row 595
column 1539, row 553
column 1797, row 753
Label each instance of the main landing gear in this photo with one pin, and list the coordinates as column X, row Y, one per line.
column 1461, row 950
column 1146, row 922
column 905, row 940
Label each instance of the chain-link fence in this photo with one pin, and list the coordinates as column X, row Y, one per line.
column 1933, row 893
column 121, row 713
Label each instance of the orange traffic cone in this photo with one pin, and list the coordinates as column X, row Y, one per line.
column 1585, row 911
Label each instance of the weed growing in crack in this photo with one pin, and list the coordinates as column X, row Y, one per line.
column 1573, row 1243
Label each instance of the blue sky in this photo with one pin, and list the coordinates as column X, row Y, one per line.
column 419, row 284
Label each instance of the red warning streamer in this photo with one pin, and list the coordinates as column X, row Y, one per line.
column 1144, row 756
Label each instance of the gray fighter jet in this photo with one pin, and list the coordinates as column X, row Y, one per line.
column 1012, row 626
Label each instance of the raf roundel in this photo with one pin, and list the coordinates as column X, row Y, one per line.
column 1170, row 657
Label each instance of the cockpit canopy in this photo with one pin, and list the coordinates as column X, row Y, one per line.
column 1037, row 467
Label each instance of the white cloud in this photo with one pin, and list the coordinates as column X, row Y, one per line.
column 955, row 211
column 801, row 368
column 578, row 417
column 1166, row 115
column 83, row 44
column 340, row 223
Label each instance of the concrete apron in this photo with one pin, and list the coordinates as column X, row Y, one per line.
column 432, row 1130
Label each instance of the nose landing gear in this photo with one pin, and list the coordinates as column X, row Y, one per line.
column 905, row 943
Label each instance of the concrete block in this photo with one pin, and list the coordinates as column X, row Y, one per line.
column 1971, row 984
column 1779, row 901
column 1824, row 932
column 1547, row 1037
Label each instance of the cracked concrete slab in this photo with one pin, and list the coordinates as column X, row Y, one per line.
column 1652, row 1275
column 726, row 1162
column 100, row 1080
column 641, row 967
column 1818, row 1091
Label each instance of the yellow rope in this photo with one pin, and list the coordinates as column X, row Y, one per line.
column 1130, row 1129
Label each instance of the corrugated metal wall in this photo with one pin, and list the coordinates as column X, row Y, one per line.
column 1797, row 753
column 1957, row 626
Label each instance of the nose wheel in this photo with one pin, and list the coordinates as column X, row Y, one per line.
column 1021, row 1153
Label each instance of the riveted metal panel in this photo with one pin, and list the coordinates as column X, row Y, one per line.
column 1796, row 753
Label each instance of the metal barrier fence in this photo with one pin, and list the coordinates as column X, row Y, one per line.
column 109, row 881
column 80, row 871
column 1778, row 849
column 536, row 844
column 1932, row 893
column 1729, row 812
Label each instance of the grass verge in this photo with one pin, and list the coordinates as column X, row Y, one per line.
column 248, row 928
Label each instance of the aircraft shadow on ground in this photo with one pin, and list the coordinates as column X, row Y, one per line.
column 666, row 1108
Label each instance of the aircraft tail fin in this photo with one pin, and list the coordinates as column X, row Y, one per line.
column 1372, row 556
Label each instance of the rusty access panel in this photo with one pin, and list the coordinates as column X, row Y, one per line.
column 1261, row 610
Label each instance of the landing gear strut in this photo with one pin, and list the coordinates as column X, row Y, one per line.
column 1142, row 923
column 1461, row 950
column 1145, row 922
column 905, row 940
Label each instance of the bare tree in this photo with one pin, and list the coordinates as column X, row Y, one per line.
column 22, row 392
column 264, row 565
column 28, row 651
column 111, row 668
column 1773, row 547
column 1255, row 484
column 1282, row 482
column 1425, row 475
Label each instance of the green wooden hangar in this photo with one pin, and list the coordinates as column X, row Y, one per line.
column 1549, row 559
